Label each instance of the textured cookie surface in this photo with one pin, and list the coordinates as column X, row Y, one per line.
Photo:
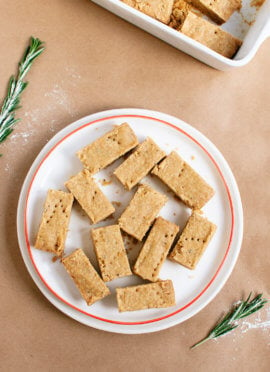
column 53, row 228
column 146, row 296
column 141, row 212
column 210, row 35
column 87, row 280
column 158, row 9
column 155, row 249
column 139, row 163
column 110, row 252
column 193, row 241
column 187, row 184
column 106, row 149
column 179, row 13
column 89, row 196
column 218, row 10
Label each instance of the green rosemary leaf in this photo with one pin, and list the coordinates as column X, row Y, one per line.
column 239, row 311
column 11, row 86
column 16, row 86
column 5, row 133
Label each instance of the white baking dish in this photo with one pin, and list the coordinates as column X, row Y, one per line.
column 252, row 36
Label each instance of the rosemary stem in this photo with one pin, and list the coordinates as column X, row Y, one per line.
column 201, row 342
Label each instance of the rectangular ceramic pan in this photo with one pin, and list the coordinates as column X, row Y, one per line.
column 250, row 25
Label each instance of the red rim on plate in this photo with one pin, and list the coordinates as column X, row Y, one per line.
column 220, row 265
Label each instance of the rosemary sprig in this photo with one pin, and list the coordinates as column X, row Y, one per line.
column 239, row 311
column 16, row 86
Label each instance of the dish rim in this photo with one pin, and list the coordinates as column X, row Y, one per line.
column 106, row 115
column 147, row 23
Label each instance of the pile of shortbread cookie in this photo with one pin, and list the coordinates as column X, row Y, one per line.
column 186, row 16
column 140, row 220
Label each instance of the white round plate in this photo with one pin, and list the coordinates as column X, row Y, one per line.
column 194, row 289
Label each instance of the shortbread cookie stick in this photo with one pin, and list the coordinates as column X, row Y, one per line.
column 193, row 241
column 210, row 35
column 139, row 163
column 87, row 280
column 89, row 196
column 106, row 149
column 146, row 296
column 218, row 10
column 141, row 212
column 110, row 252
column 187, row 184
column 54, row 224
column 155, row 249
column 158, row 9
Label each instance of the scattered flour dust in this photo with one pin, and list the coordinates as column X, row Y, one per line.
column 60, row 98
column 258, row 323
column 56, row 100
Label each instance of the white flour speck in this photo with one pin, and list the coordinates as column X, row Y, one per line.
column 258, row 323
column 264, row 325
column 59, row 95
column 32, row 115
column 73, row 75
column 56, row 100
column 23, row 135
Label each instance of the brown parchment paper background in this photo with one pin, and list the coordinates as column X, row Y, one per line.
column 96, row 61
